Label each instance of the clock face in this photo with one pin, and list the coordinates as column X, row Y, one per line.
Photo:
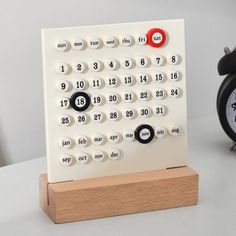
column 231, row 110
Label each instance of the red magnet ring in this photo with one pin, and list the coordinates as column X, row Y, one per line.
column 156, row 37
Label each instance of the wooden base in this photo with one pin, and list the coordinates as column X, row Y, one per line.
column 118, row 195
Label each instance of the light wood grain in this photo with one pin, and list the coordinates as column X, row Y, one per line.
column 118, row 195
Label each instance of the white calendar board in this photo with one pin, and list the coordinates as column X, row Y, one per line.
column 115, row 99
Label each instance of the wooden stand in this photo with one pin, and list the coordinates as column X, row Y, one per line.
column 118, row 195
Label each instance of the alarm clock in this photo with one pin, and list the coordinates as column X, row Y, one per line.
column 226, row 98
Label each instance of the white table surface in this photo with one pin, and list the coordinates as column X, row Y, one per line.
column 215, row 213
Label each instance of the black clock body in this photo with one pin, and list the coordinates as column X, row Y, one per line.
column 226, row 97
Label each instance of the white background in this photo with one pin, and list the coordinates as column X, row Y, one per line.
column 210, row 25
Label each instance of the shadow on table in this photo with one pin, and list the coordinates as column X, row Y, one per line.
column 3, row 151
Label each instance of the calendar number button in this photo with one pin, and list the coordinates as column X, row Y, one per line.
column 113, row 115
column 160, row 132
column 158, row 60
column 160, row 93
column 94, row 43
column 156, row 37
column 113, row 98
column 82, row 141
column 66, row 160
column 81, row 119
column 173, row 75
column 80, row 101
column 112, row 81
column 174, row 92
column 110, row 42
column 128, row 135
column 114, row 154
column 96, row 66
column 65, row 143
column 141, row 39
column 113, row 137
column 82, row 158
column 98, row 139
column 173, row 59
column 63, row 103
column 96, row 83
column 128, row 97
column 142, row 61
column 159, row 77
column 160, row 110
column 144, row 133
column 144, row 95
column 97, row 100
column 143, row 78
column 80, row 84
column 62, row 68
column 126, row 40
column 128, row 80
column 62, row 45
column 129, row 113
column 144, row 112
column 98, row 156
column 111, row 64
column 63, row 85
column 64, row 120
column 97, row 116
column 79, row 67
column 78, row 44
column 174, row 130
column 127, row 63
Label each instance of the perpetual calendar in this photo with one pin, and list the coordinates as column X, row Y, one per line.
column 115, row 99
